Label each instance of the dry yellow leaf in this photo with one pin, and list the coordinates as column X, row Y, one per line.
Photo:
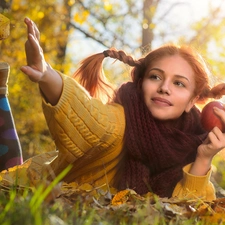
column 86, row 187
column 4, row 27
column 16, row 175
column 67, row 186
column 122, row 197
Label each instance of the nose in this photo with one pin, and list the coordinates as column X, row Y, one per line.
column 164, row 88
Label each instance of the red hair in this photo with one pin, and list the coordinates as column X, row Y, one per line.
column 201, row 72
column 92, row 77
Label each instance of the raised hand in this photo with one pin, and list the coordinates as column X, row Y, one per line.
column 36, row 65
column 50, row 82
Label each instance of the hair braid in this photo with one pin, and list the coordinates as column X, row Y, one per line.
column 217, row 91
column 122, row 56
column 91, row 75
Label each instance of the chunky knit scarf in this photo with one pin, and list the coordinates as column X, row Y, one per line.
column 155, row 154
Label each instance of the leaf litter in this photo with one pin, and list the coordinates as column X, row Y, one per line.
column 148, row 206
column 109, row 203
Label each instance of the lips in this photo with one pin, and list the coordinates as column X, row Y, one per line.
column 161, row 101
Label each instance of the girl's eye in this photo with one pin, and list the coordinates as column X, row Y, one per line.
column 154, row 77
column 180, row 84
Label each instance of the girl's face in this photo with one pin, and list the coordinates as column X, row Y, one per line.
column 168, row 87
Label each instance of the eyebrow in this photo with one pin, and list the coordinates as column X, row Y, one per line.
column 177, row 75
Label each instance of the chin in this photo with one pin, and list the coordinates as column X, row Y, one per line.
column 162, row 114
column 161, row 117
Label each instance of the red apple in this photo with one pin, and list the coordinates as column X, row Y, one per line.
column 209, row 118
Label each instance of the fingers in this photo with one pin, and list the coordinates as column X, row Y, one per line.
column 213, row 144
column 37, row 33
column 216, row 139
column 25, row 69
column 33, row 50
column 34, row 43
column 220, row 113
column 33, row 74
column 32, row 28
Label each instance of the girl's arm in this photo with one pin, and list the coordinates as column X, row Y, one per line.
column 37, row 69
column 214, row 143
column 196, row 176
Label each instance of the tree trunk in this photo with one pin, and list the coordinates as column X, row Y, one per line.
column 5, row 5
column 62, row 42
column 149, row 9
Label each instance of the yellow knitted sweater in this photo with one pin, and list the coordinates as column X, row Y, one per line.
column 89, row 135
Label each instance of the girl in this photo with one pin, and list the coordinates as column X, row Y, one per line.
column 144, row 135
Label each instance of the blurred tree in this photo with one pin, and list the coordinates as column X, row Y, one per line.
column 131, row 25
column 209, row 39
column 24, row 96
column 5, row 4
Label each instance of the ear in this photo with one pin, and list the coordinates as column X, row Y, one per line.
column 191, row 103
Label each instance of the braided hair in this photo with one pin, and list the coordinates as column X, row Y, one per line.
column 91, row 75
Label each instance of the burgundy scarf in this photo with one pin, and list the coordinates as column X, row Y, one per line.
column 155, row 154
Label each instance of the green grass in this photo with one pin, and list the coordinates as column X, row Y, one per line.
column 82, row 206
column 16, row 209
column 19, row 208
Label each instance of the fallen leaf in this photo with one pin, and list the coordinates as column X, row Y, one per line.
column 122, row 197
column 4, row 27
column 16, row 175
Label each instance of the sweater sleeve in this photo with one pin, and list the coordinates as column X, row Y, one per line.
column 195, row 186
column 80, row 123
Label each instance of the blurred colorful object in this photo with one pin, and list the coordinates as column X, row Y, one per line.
column 4, row 27
column 10, row 149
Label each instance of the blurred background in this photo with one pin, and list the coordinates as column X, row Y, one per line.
column 73, row 29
